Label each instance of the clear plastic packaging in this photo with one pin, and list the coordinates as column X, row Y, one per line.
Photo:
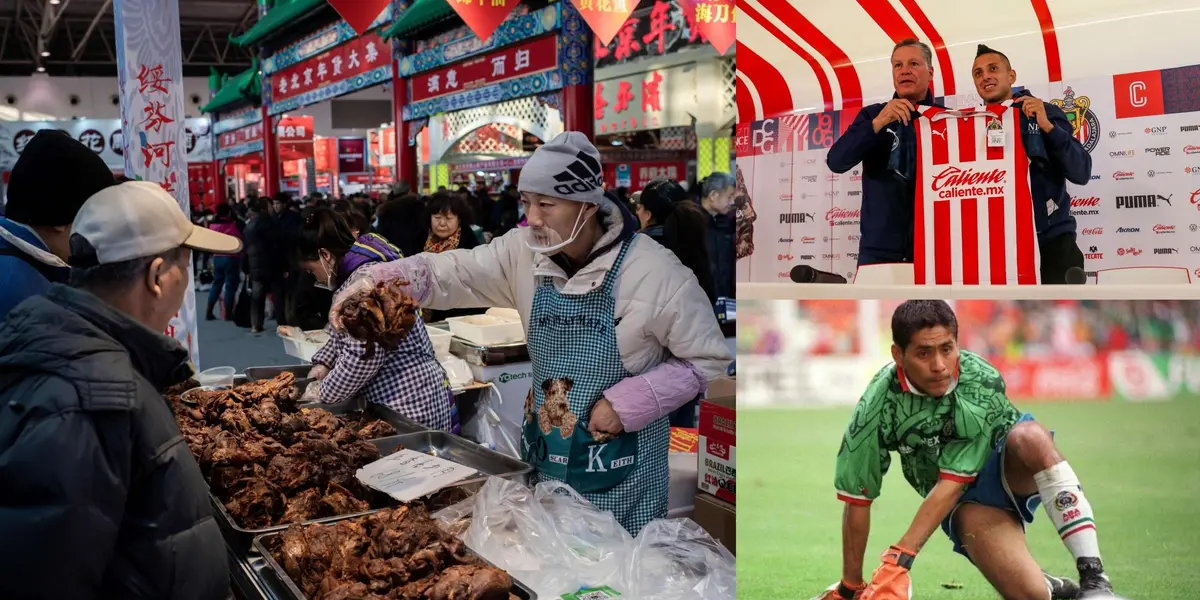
column 488, row 428
column 675, row 559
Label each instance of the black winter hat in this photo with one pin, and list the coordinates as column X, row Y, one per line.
column 52, row 179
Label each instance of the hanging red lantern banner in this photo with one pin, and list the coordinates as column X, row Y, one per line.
column 483, row 16
column 715, row 20
column 359, row 14
column 605, row 17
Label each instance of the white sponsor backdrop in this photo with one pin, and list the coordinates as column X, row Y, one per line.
column 806, row 214
column 103, row 136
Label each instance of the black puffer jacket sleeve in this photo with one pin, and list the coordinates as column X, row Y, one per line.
column 75, row 468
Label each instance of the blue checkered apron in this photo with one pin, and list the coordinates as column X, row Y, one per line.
column 573, row 340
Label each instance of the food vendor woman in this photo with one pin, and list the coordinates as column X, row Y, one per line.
column 408, row 380
column 620, row 334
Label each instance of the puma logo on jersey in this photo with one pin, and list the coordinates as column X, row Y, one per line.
column 941, row 134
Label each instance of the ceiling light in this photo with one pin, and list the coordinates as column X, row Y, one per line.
column 55, row 1
column 45, row 53
column 41, row 69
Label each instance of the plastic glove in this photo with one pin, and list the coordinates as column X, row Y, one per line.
column 362, row 279
column 318, row 372
column 891, row 581
column 312, row 393
column 842, row 591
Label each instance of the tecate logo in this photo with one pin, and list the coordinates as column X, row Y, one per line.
column 1093, row 231
column 1191, row 149
column 1093, row 253
column 1123, row 175
column 1164, row 229
column 1128, row 229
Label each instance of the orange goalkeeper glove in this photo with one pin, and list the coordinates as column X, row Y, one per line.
column 842, row 591
column 891, row 581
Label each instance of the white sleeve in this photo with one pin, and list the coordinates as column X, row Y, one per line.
column 482, row 277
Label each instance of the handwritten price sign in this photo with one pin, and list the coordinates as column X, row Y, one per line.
column 408, row 474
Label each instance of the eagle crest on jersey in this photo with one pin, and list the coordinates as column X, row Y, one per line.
column 937, row 438
column 973, row 219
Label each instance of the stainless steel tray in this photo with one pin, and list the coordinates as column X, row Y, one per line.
column 465, row 452
column 485, row 356
column 399, row 422
column 240, row 537
column 278, row 579
column 260, row 373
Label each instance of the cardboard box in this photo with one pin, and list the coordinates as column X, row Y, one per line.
column 718, row 518
column 722, row 391
column 718, row 448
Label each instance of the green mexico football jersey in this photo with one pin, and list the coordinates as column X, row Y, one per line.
column 937, row 438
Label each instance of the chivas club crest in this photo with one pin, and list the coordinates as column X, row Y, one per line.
column 1084, row 123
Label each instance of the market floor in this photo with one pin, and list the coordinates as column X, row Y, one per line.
column 223, row 344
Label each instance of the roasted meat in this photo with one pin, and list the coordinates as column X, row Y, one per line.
column 259, row 504
column 375, row 430
column 281, row 388
column 397, row 554
column 380, row 316
column 321, row 421
column 304, row 506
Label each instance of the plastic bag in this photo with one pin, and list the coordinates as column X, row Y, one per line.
column 490, row 429
column 458, row 372
column 675, row 559
column 312, row 393
column 549, row 538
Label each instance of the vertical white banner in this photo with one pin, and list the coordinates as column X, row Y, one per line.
column 150, row 80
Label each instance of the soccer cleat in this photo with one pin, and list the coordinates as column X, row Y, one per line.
column 1061, row 588
column 1092, row 580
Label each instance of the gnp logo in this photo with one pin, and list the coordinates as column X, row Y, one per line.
column 1129, row 230
column 1081, row 206
column 1093, row 253
column 1084, row 123
column 1191, row 149
column 1129, row 251
column 1093, row 231
column 1156, row 131
column 854, row 237
column 1164, row 229
column 833, row 193
column 1192, row 170
column 1123, row 175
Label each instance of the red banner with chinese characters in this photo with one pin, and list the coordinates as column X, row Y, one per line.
column 291, row 168
column 605, row 17
column 642, row 173
column 352, row 155
column 389, row 140
column 325, row 154
column 533, row 56
column 238, row 137
column 716, row 20
column 483, row 16
column 629, row 104
column 295, row 135
column 355, row 57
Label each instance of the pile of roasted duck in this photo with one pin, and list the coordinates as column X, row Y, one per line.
column 270, row 462
column 382, row 315
column 396, row 554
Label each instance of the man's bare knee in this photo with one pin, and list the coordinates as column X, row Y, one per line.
column 1033, row 446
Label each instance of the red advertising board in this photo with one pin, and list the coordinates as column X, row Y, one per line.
column 295, row 129
column 237, row 137
column 355, row 57
column 642, row 173
column 352, row 155
column 525, row 58
column 1058, row 379
column 325, row 154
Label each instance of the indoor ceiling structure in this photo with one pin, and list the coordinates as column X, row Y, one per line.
column 78, row 37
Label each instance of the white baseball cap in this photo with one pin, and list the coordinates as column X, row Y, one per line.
column 137, row 219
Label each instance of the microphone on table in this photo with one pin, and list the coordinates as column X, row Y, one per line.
column 807, row 274
column 1076, row 276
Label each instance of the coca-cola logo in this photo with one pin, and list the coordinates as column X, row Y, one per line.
column 1077, row 201
column 1093, row 231
column 1164, row 229
column 956, row 177
column 838, row 213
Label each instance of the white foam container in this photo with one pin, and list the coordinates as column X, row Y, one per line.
column 507, row 330
column 441, row 341
column 304, row 348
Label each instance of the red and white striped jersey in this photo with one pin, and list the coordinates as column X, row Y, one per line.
column 974, row 213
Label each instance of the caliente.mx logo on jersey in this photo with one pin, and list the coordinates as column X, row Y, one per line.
column 1084, row 124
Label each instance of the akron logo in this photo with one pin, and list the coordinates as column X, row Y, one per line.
column 1084, row 123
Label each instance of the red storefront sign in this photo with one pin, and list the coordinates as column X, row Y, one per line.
column 526, row 58
column 389, row 140
column 715, row 20
column 237, row 137
column 633, row 103
column 355, row 57
column 295, row 134
column 642, row 173
column 352, row 155
column 325, row 154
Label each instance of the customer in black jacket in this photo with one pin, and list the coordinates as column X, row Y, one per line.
column 100, row 496
column 266, row 266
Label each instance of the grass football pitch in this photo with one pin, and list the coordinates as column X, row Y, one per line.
column 1139, row 465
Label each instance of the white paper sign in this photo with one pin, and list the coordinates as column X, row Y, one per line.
column 408, row 474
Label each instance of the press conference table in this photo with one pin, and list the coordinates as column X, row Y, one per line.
column 805, row 291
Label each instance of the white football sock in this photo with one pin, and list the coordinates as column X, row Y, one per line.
column 1069, row 510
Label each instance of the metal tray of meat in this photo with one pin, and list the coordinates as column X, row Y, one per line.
column 260, row 373
column 484, row 356
column 464, row 452
column 240, row 537
column 399, row 422
column 279, row 580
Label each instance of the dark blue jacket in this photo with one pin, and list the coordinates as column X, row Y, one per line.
column 888, row 180
column 24, row 272
column 1054, row 159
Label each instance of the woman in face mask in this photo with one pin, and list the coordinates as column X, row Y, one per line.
column 620, row 333
column 409, row 379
